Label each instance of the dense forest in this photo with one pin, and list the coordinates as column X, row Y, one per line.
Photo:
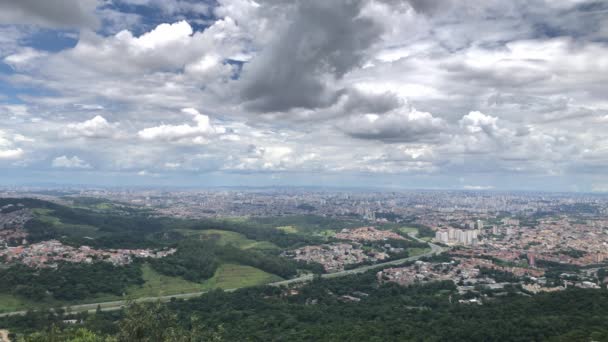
column 320, row 312
column 69, row 281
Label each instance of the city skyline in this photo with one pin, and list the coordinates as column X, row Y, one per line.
column 452, row 95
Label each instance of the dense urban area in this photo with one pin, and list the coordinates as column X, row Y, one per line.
column 453, row 252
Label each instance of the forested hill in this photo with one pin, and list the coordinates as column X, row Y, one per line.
column 320, row 312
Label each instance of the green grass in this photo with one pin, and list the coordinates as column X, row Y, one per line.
column 288, row 229
column 230, row 276
column 325, row 233
column 417, row 251
column 10, row 303
column 157, row 284
column 225, row 237
column 307, row 224
column 408, row 230
column 227, row 276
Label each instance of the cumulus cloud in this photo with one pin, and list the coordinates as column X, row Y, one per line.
column 65, row 162
column 476, row 122
column 56, row 13
column 10, row 153
column 198, row 132
column 321, row 42
column 8, row 150
column 399, row 125
column 97, row 127
column 264, row 158
column 353, row 86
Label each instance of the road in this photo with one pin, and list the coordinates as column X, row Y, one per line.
column 117, row 305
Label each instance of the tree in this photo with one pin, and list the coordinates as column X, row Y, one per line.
column 154, row 322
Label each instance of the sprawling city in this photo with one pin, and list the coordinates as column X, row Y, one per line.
column 469, row 249
column 303, row 170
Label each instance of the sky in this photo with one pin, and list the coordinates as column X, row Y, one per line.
column 425, row 94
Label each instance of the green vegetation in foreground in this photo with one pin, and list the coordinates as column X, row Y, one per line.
column 225, row 237
column 389, row 312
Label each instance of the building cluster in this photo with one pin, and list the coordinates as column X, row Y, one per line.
column 464, row 272
column 11, row 225
column 368, row 234
column 561, row 239
column 457, row 236
column 524, row 229
column 335, row 256
column 49, row 253
column 431, row 207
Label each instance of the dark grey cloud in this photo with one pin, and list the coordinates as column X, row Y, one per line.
column 55, row 13
column 359, row 102
column 322, row 41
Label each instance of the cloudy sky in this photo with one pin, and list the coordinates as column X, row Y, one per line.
column 458, row 94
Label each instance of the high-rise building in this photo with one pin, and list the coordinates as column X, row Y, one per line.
column 452, row 234
column 531, row 259
column 442, row 236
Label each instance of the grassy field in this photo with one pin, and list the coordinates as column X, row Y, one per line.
column 230, row 276
column 408, row 230
column 227, row 237
column 307, row 224
column 12, row 303
column 325, row 233
column 227, row 276
column 417, row 251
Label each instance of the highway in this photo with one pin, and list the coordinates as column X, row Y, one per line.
column 117, row 305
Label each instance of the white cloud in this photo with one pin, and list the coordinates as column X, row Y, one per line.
column 162, row 36
column 74, row 162
column 97, row 127
column 478, row 187
column 23, row 58
column 10, row 154
column 399, row 125
column 14, row 110
column 429, row 89
column 8, row 150
column 146, row 173
column 476, row 122
column 198, row 132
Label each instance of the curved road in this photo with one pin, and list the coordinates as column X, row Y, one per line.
column 117, row 305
